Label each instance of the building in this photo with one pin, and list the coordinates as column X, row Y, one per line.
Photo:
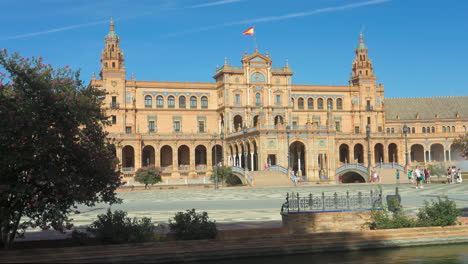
column 253, row 117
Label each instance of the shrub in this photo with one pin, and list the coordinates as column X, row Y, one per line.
column 193, row 226
column 148, row 175
column 442, row 212
column 117, row 228
column 437, row 169
column 383, row 219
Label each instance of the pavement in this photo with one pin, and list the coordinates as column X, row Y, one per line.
column 257, row 207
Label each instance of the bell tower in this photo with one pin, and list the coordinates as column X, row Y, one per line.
column 362, row 70
column 112, row 57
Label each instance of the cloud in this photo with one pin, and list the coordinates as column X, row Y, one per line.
column 55, row 30
column 283, row 17
column 221, row 2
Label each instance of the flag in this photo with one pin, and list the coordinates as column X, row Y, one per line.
column 249, row 31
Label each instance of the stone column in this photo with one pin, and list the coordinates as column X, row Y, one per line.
column 351, row 155
column 299, row 171
column 192, row 158
column 449, row 155
column 424, row 155
column 252, row 161
column 157, row 156
column 138, row 151
column 386, row 158
column 430, row 156
column 209, row 159
column 119, row 156
column 445, row 155
column 175, row 159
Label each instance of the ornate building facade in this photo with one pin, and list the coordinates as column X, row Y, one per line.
column 253, row 118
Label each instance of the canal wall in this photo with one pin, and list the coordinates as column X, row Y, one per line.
column 236, row 246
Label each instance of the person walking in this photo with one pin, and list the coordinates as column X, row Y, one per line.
column 428, row 177
column 398, row 176
column 418, row 175
column 459, row 176
column 449, row 171
column 410, row 176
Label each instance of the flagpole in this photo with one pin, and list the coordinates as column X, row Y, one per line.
column 255, row 40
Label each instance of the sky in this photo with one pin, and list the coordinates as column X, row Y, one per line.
column 419, row 47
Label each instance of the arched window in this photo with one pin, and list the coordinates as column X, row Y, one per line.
column 171, row 101
column 424, row 130
column 182, row 102
column 113, row 65
column 300, row 103
column 329, row 103
column 258, row 101
column 413, row 130
column 320, row 103
column 428, row 130
column 193, row 102
column 257, row 77
column 392, row 130
column 310, row 103
column 433, row 129
column 148, row 101
column 444, row 129
column 388, row 130
column 339, row 104
column 292, row 102
column 204, row 102
column 453, row 128
column 160, row 101
column 237, row 99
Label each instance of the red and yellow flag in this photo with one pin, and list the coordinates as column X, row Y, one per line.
column 249, row 31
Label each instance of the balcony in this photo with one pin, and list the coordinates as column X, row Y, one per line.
column 114, row 105
column 369, row 108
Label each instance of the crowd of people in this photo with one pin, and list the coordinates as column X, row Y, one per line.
column 420, row 176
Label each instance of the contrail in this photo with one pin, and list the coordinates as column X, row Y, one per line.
column 221, row 2
column 283, row 17
column 56, row 30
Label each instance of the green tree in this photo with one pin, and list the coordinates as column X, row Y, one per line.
column 54, row 153
column 148, row 175
column 462, row 144
column 192, row 225
column 225, row 175
column 437, row 169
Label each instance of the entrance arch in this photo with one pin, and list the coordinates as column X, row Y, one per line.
column 166, row 157
column 359, row 153
column 297, row 153
column 183, row 156
column 378, row 153
column 217, row 155
column 200, row 156
column 148, row 156
column 255, row 121
column 237, row 122
column 417, row 153
column 128, row 157
column 393, row 153
column 344, row 153
column 352, row 177
column 437, row 152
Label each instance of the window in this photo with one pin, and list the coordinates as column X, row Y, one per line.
column 300, row 103
column 294, row 124
column 424, row 130
column 128, row 97
column 160, row 101
column 151, row 127
column 204, row 102
column 257, row 77
column 413, row 130
column 338, row 126
column 432, row 129
column 393, row 130
column 237, row 79
column 114, row 119
column 292, row 102
column 113, row 65
column 310, row 103
column 379, row 129
column 201, row 126
column 257, row 99
column 339, row 104
column 114, row 103
column 444, row 129
column 278, row 99
column 176, row 126
column 182, row 102
column 148, row 101
column 388, row 130
column 320, row 103
column 128, row 130
column 368, row 120
column 453, row 128
column 330, row 103
column 193, row 102
column 356, row 130
column 237, row 99
column 171, row 101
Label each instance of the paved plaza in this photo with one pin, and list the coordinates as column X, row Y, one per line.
column 255, row 204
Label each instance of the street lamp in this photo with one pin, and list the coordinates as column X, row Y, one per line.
column 406, row 131
column 288, row 132
column 244, row 130
column 215, row 167
column 221, row 136
column 368, row 131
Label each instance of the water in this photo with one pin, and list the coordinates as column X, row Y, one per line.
column 448, row 254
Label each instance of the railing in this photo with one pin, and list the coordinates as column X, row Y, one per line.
column 114, row 105
column 200, row 167
column 310, row 203
column 168, row 168
column 369, row 108
column 241, row 171
column 184, row 167
column 390, row 166
column 285, row 171
column 355, row 166
column 128, row 169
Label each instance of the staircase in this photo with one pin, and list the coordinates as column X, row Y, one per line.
column 271, row 178
column 389, row 175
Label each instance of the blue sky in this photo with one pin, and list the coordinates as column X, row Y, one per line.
column 419, row 47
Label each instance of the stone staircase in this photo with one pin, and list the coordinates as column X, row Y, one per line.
column 389, row 175
column 271, row 178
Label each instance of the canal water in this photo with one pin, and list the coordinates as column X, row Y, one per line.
column 447, row 254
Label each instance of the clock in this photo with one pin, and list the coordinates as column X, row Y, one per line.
column 113, row 83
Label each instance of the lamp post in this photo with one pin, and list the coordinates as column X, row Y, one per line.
column 288, row 132
column 221, row 136
column 215, row 167
column 405, row 132
column 244, row 130
column 368, row 131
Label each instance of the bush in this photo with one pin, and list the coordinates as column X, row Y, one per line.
column 437, row 169
column 193, row 226
column 442, row 212
column 148, row 175
column 116, row 228
column 383, row 219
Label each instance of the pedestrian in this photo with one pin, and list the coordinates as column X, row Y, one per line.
column 459, row 176
column 449, row 171
column 398, row 176
column 375, row 176
column 410, row 176
column 428, row 178
column 418, row 175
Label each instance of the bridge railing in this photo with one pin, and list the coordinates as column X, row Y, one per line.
column 390, row 166
column 356, row 166
column 241, row 171
column 285, row 171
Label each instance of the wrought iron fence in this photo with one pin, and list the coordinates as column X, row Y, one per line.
column 310, row 203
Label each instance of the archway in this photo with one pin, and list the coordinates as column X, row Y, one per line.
column 278, row 120
column 393, row 153
column 344, row 153
column 200, row 157
column 352, row 177
column 437, row 152
column 255, row 156
column 128, row 158
column 166, row 157
column 237, row 122
column 359, row 153
column 255, row 121
column 298, row 162
column 183, row 155
column 217, row 155
column 234, row 180
column 148, row 156
column 236, row 156
column 249, row 160
column 417, row 153
column 378, row 153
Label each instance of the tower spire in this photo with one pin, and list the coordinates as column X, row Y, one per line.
column 112, row 26
column 362, row 69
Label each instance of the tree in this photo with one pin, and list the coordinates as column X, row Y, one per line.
column 225, row 175
column 54, row 153
column 193, row 226
column 462, row 144
column 148, row 175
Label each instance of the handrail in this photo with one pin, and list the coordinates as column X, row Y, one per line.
column 356, row 166
column 241, row 171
